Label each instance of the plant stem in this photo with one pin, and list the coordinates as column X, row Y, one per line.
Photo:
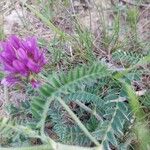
column 97, row 116
column 48, row 147
column 41, row 147
column 79, row 123
column 135, row 4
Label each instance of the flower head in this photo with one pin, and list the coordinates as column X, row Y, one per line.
column 20, row 59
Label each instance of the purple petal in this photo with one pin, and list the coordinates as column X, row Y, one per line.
column 29, row 44
column 36, row 54
column 22, row 54
column 4, row 82
column 9, row 68
column 6, row 57
column 33, row 66
column 19, row 66
column 15, row 41
column 10, row 80
column 41, row 59
column 22, row 57
column 8, row 48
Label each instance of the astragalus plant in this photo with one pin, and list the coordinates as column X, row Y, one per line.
column 91, row 107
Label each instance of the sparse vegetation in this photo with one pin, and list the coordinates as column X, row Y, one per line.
column 93, row 89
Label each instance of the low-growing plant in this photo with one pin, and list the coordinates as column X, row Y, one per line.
column 109, row 111
column 74, row 99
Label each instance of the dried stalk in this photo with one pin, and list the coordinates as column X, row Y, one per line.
column 132, row 3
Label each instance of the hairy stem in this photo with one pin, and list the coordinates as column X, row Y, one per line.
column 57, row 147
column 79, row 123
column 97, row 116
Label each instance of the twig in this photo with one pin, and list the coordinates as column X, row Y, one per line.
column 122, row 99
column 97, row 116
column 112, row 2
column 73, row 10
column 140, row 93
column 132, row 3
column 6, row 97
column 71, row 50
column 112, row 66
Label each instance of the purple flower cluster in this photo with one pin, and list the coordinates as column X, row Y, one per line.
column 21, row 59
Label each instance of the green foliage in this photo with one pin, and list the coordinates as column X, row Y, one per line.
column 132, row 17
column 141, row 128
column 85, row 39
column 22, row 110
column 48, row 10
column 64, row 83
column 84, row 96
column 111, row 38
column 115, row 113
column 67, row 131
column 115, row 127
column 130, row 58
column 6, row 127
column 66, row 107
column 1, row 75
column 15, row 132
column 145, row 100
column 93, row 86
column 56, row 50
column 86, row 85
